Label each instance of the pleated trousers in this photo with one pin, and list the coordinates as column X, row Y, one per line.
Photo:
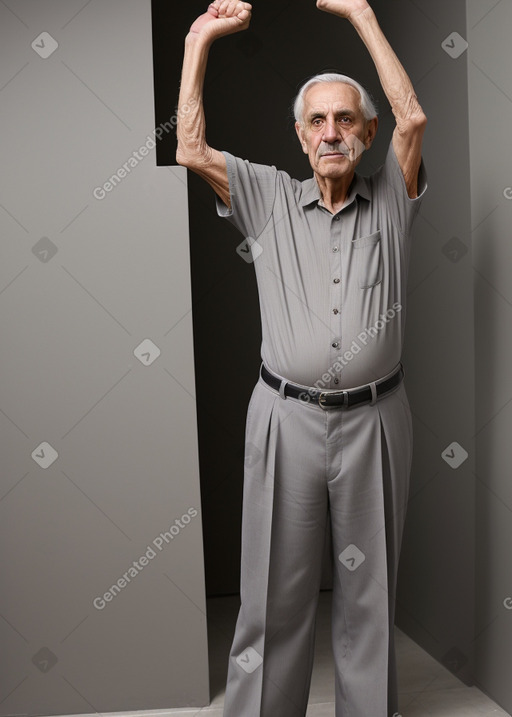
column 302, row 463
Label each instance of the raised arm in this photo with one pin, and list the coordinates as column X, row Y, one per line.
column 223, row 17
column 409, row 116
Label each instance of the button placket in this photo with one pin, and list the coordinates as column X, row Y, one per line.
column 335, row 293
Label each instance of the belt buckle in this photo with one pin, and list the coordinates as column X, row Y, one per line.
column 323, row 395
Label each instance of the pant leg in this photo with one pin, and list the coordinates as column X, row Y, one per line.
column 283, row 535
column 397, row 443
column 369, row 454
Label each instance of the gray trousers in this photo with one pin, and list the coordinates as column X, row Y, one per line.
column 301, row 462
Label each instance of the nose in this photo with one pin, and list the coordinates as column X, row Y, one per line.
column 331, row 131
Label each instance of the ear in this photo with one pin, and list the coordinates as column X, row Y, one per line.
column 371, row 131
column 300, row 135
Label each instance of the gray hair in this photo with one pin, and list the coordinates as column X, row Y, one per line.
column 366, row 104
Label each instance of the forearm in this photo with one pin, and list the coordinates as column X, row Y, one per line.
column 191, row 126
column 394, row 79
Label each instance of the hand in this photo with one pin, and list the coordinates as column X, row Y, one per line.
column 343, row 8
column 223, row 17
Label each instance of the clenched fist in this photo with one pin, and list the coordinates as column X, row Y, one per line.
column 343, row 8
column 223, row 17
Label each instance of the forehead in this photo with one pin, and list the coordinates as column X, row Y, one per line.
column 325, row 96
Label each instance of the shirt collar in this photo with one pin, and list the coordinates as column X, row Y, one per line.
column 311, row 191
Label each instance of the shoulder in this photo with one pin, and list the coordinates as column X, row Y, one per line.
column 256, row 191
column 390, row 193
column 252, row 178
column 390, row 176
column 241, row 166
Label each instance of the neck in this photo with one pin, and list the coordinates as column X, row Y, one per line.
column 334, row 191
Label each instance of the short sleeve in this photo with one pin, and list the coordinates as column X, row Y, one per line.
column 252, row 189
column 394, row 190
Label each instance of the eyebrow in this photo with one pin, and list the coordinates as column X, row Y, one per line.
column 321, row 113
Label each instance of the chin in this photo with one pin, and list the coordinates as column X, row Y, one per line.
column 335, row 172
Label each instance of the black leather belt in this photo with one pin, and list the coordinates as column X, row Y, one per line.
column 334, row 399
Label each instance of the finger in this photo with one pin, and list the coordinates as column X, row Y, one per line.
column 232, row 8
column 243, row 7
column 223, row 7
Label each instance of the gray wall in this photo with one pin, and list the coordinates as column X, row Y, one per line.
column 436, row 580
column 125, row 433
column 84, row 282
column 490, row 55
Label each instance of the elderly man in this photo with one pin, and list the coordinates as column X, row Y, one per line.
column 329, row 430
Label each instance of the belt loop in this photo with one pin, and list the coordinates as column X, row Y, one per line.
column 282, row 387
column 373, row 389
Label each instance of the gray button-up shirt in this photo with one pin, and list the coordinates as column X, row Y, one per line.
column 332, row 288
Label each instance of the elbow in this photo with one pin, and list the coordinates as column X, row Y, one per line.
column 410, row 116
column 420, row 120
column 413, row 125
column 419, row 124
column 415, row 116
column 180, row 159
column 193, row 156
column 186, row 158
column 182, row 156
column 190, row 154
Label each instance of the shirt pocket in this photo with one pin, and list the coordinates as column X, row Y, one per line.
column 368, row 260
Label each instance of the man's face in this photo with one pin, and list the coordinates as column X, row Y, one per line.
column 335, row 133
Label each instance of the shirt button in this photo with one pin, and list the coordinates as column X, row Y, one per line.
column 336, row 380
column 336, row 281
column 335, row 344
column 335, row 248
column 336, row 218
column 335, row 311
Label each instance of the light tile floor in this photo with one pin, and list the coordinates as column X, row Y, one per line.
column 426, row 688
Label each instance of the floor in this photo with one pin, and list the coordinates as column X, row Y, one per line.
column 426, row 687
